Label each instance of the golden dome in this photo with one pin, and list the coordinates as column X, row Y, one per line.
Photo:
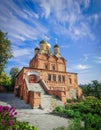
column 48, row 44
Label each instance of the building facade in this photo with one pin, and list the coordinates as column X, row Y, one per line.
column 46, row 74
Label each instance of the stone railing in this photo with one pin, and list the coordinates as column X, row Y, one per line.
column 44, row 85
column 27, row 84
column 57, row 88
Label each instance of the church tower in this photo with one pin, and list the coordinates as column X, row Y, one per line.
column 57, row 50
column 44, row 48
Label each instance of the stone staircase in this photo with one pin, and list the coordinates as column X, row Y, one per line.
column 49, row 102
column 34, row 87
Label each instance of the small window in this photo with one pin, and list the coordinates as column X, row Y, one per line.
column 59, row 78
column 45, row 66
column 53, row 67
column 54, row 77
column 49, row 77
column 75, row 81
column 70, row 80
column 63, row 78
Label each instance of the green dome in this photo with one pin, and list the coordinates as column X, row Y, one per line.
column 37, row 48
column 42, row 42
column 56, row 45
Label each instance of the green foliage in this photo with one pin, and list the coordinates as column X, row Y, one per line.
column 97, row 89
column 5, row 80
column 59, row 109
column 61, row 128
column 72, row 100
column 92, row 122
column 13, row 72
column 88, row 110
column 76, row 124
column 5, row 50
column 69, row 100
column 8, row 120
column 90, row 104
column 7, row 117
column 93, row 89
column 23, row 126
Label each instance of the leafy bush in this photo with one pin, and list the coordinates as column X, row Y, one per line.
column 93, row 89
column 23, row 126
column 76, row 124
column 59, row 109
column 89, row 104
column 61, row 128
column 7, row 117
column 92, row 122
column 88, row 110
column 8, row 120
column 69, row 100
column 72, row 100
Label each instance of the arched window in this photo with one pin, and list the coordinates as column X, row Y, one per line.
column 54, row 77
column 63, row 78
column 49, row 77
column 53, row 67
column 59, row 78
column 70, row 80
column 45, row 66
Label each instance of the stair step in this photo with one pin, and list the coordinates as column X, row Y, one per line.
column 49, row 102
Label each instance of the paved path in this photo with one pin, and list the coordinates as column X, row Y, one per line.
column 36, row 117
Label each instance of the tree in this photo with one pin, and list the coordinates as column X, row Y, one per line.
column 13, row 72
column 97, row 89
column 5, row 50
column 5, row 80
column 93, row 89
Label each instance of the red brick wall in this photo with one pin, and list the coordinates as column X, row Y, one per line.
column 35, row 99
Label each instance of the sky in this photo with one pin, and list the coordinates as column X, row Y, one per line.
column 75, row 25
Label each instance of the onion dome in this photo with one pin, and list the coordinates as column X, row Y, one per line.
column 42, row 42
column 48, row 45
column 37, row 48
column 56, row 45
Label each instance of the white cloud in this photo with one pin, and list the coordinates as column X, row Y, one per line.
column 62, row 11
column 81, row 31
column 31, row 14
column 82, row 67
column 69, row 13
column 86, row 2
column 15, row 17
column 21, row 52
column 95, row 18
column 98, row 60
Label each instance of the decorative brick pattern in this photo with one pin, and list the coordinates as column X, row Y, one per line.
column 49, row 70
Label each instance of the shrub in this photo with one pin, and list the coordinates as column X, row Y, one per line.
column 7, row 117
column 69, row 100
column 61, row 128
column 59, row 109
column 92, row 122
column 90, row 104
column 23, row 126
column 76, row 124
column 8, row 120
column 70, row 113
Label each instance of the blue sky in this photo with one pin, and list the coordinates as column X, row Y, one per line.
column 74, row 24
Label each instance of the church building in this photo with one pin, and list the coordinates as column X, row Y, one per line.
column 46, row 75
